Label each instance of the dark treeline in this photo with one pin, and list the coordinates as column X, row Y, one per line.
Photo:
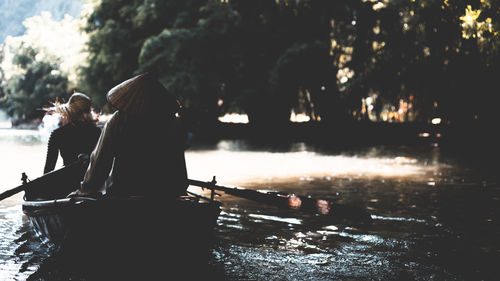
column 267, row 57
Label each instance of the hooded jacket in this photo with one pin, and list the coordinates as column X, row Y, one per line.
column 141, row 149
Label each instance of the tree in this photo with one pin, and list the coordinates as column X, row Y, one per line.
column 119, row 29
column 39, row 83
column 186, row 54
column 113, row 47
column 442, row 53
column 259, row 56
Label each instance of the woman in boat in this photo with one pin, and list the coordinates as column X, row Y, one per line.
column 78, row 133
column 142, row 144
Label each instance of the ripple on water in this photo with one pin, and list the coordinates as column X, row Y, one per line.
column 277, row 219
column 11, row 224
column 375, row 217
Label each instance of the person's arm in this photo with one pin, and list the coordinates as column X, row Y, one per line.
column 101, row 160
column 52, row 153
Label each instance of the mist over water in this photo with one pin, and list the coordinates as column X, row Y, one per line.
column 432, row 218
column 4, row 120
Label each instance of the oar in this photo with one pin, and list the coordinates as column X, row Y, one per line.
column 68, row 173
column 292, row 201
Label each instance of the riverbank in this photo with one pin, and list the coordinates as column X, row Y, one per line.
column 473, row 139
column 24, row 124
column 353, row 132
column 474, row 143
column 348, row 133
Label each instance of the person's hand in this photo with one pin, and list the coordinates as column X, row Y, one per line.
column 80, row 193
column 75, row 193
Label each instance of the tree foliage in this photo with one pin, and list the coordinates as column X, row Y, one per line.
column 268, row 57
column 25, row 94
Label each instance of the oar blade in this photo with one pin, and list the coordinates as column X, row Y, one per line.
column 324, row 208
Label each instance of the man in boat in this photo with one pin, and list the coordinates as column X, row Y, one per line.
column 78, row 133
column 141, row 148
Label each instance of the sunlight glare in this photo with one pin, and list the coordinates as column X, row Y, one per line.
column 470, row 16
column 66, row 44
column 240, row 166
column 299, row 117
column 234, row 118
column 436, row 121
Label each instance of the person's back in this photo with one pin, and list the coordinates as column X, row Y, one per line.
column 149, row 157
column 78, row 134
column 141, row 146
column 73, row 140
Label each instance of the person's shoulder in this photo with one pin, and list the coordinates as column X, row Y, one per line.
column 58, row 133
column 60, row 129
column 94, row 127
column 115, row 117
column 113, row 121
column 91, row 127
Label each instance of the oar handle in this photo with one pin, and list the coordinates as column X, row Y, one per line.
column 55, row 174
column 211, row 185
column 269, row 197
column 11, row 192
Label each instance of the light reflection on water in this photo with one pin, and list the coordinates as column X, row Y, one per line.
column 275, row 218
column 238, row 166
column 417, row 233
column 375, row 217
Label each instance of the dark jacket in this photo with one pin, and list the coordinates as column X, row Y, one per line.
column 145, row 155
column 70, row 140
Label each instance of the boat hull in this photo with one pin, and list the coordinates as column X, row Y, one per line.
column 117, row 223
column 126, row 235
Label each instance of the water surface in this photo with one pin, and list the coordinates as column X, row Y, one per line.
column 434, row 216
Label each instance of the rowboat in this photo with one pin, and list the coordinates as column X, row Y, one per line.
column 126, row 238
column 58, row 219
column 117, row 232
column 63, row 221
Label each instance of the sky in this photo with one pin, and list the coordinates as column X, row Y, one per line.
column 14, row 12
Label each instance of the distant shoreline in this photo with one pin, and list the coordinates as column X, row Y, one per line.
column 343, row 134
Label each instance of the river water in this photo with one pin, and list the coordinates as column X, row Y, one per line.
column 435, row 216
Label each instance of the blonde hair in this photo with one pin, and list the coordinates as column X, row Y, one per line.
column 76, row 110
